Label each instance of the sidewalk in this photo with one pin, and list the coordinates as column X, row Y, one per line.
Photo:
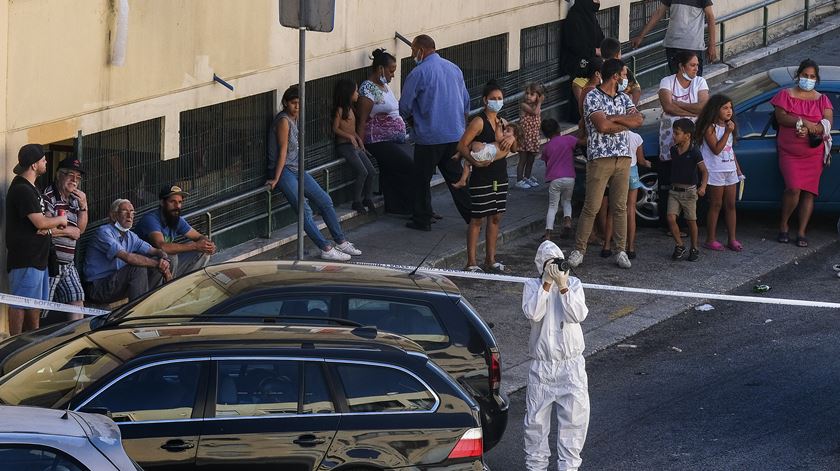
column 385, row 239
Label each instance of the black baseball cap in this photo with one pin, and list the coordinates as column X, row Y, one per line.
column 71, row 163
column 28, row 155
column 171, row 190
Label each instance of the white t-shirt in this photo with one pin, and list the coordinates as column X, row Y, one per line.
column 685, row 95
column 634, row 141
column 723, row 162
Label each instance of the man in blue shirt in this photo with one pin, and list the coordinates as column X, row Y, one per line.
column 161, row 228
column 435, row 97
column 119, row 264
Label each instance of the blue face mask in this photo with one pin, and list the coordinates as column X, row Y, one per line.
column 622, row 85
column 418, row 58
column 383, row 80
column 807, row 84
column 495, row 105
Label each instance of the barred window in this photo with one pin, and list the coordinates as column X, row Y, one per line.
column 539, row 44
column 640, row 13
column 608, row 19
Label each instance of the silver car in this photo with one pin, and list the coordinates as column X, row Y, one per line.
column 35, row 439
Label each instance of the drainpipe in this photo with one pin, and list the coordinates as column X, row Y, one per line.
column 119, row 33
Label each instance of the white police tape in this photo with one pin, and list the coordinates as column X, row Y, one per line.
column 660, row 292
column 30, row 303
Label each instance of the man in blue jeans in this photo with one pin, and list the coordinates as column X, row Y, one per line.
column 435, row 97
column 28, row 238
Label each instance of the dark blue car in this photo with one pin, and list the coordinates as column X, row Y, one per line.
column 756, row 144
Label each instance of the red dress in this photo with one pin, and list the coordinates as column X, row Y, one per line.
column 801, row 164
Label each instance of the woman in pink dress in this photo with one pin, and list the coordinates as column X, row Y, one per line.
column 799, row 110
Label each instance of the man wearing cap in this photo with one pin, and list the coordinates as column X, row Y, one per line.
column 28, row 234
column 119, row 264
column 65, row 196
column 163, row 227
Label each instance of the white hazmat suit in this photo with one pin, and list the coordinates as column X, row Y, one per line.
column 557, row 375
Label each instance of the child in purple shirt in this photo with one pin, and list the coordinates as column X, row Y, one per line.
column 559, row 174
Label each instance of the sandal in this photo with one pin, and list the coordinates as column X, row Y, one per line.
column 836, row 267
column 802, row 241
column 496, row 267
column 784, row 237
column 735, row 246
column 714, row 245
column 473, row 269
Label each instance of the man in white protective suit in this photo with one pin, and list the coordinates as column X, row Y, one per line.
column 555, row 305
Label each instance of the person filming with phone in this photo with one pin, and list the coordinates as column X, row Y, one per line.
column 555, row 304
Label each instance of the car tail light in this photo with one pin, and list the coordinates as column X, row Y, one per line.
column 495, row 371
column 471, row 445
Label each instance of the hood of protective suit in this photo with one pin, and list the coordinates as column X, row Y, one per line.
column 547, row 251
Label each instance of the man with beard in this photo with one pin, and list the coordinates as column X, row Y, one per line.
column 28, row 234
column 162, row 228
column 64, row 195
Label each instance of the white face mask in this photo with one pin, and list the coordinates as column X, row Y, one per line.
column 807, row 84
column 495, row 105
column 685, row 76
column 623, row 85
column 120, row 228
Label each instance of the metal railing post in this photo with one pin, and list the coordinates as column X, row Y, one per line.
column 327, row 178
column 807, row 13
column 764, row 30
column 209, row 225
column 633, row 64
column 722, row 40
column 268, row 227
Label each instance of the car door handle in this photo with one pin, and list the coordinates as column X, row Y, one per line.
column 177, row 445
column 308, row 441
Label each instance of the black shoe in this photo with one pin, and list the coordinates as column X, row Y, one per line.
column 606, row 253
column 693, row 255
column 418, row 227
column 679, row 252
column 370, row 206
column 358, row 207
column 631, row 254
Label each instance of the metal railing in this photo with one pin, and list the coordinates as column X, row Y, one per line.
column 271, row 209
column 810, row 5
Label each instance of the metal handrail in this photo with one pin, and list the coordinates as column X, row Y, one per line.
column 722, row 40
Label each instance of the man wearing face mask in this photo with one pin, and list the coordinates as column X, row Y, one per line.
column 555, row 305
column 435, row 97
column 118, row 263
column 608, row 113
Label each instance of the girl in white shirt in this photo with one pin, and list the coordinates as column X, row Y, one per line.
column 716, row 132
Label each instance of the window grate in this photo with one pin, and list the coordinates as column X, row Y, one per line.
column 608, row 19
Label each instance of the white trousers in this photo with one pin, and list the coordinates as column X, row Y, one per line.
column 562, row 386
column 559, row 190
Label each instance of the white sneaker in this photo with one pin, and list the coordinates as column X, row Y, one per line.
column 348, row 248
column 622, row 261
column 523, row 185
column 335, row 255
column 575, row 258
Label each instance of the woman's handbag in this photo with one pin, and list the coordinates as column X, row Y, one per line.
column 815, row 140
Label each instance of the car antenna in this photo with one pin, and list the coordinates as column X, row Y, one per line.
column 66, row 414
column 413, row 272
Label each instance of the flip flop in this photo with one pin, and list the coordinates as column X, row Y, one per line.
column 836, row 267
column 714, row 245
column 497, row 267
column 735, row 246
column 802, row 242
column 473, row 269
column 784, row 237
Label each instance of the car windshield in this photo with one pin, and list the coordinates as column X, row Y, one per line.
column 749, row 87
column 51, row 379
column 187, row 296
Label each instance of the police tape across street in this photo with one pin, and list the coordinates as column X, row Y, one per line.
column 53, row 306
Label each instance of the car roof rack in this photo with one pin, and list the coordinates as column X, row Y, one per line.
column 233, row 319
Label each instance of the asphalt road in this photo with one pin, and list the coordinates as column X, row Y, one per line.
column 741, row 387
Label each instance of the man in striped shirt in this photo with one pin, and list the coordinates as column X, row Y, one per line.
column 65, row 195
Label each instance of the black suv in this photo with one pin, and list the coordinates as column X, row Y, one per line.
column 428, row 309
column 245, row 396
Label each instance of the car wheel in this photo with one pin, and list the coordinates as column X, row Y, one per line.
column 647, row 200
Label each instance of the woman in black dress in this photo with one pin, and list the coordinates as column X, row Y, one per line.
column 489, row 180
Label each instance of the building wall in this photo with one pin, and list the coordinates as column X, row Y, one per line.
column 55, row 79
